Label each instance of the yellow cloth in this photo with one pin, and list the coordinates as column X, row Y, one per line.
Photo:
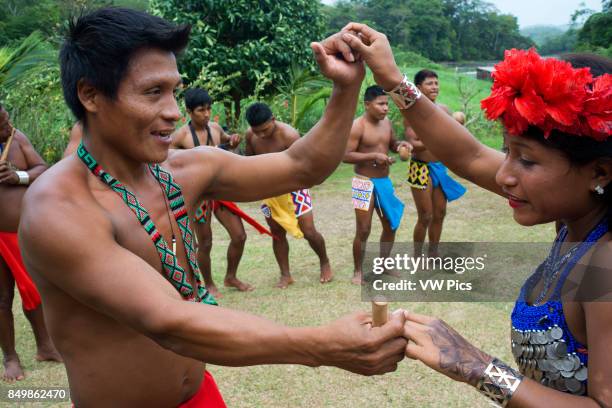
column 282, row 210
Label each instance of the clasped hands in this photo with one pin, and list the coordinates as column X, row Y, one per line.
column 341, row 57
column 358, row 347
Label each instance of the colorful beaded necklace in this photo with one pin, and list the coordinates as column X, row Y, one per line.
column 174, row 273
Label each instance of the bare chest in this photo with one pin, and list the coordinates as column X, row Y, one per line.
column 375, row 138
column 16, row 156
column 271, row 145
column 128, row 227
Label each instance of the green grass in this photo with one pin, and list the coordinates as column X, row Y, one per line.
column 478, row 216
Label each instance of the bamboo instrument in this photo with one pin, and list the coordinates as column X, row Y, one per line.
column 7, row 146
column 380, row 313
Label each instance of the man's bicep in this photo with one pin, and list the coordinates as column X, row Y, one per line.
column 91, row 267
column 251, row 178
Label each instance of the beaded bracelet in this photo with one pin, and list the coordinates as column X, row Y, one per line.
column 405, row 94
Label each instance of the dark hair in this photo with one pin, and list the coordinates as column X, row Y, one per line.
column 422, row 75
column 373, row 92
column 599, row 65
column 99, row 45
column 580, row 150
column 195, row 97
column 258, row 113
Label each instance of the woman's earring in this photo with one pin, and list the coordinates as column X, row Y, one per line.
column 599, row 189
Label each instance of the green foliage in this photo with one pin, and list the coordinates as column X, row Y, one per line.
column 300, row 91
column 437, row 29
column 597, row 31
column 541, row 34
column 252, row 43
column 19, row 18
column 16, row 63
column 37, row 108
column 565, row 42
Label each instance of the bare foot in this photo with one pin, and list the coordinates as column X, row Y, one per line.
column 12, row 370
column 48, row 353
column 284, row 282
column 326, row 273
column 357, row 279
column 212, row 289
column 238, row 284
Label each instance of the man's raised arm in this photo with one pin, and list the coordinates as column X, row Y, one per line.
column 308, row 161
column 442, row 135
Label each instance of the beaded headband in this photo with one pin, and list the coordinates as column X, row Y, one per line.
column 529, row 90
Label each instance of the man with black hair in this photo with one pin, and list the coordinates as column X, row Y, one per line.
column 201, row 131
column 115, row 261
column 289, row 212
column 432, row 188
column 371, row 138
column 21, row 167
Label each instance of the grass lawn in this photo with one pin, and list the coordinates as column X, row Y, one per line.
column 478, row 216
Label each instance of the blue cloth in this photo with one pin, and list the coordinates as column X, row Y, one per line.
column 439, row 177
column 391, row 206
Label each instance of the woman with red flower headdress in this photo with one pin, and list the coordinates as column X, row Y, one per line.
column 557, row 166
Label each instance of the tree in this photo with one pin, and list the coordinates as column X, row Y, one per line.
column 249, row 45
column 19, row 18
column 597, row 31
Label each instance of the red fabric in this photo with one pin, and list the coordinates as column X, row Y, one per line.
column 208, row 396
column 9, row 251
column 236, row 210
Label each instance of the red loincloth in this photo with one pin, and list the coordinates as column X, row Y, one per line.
column 208, row 396
column 9, row 251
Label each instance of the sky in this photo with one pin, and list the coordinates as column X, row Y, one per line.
column 538, row 12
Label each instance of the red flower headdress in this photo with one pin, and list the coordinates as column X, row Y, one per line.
column 529, row 90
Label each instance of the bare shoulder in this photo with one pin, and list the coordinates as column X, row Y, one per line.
column 64, row 183
column 21, row 138
column 62, row 198
column 358, row 125
column 178, row 136
column 288, row 130
column 214, row 126
column 445, row 108
column 597, row 280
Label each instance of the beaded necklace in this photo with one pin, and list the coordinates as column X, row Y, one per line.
column 542, row 343
column 174, row 273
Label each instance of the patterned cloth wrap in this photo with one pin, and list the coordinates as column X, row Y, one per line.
column 419, row 173
column 9, row 252
column 542, row 343
column 365, row 189
column 285, row 209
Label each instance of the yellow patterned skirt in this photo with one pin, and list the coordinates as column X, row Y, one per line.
column 418, row 174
